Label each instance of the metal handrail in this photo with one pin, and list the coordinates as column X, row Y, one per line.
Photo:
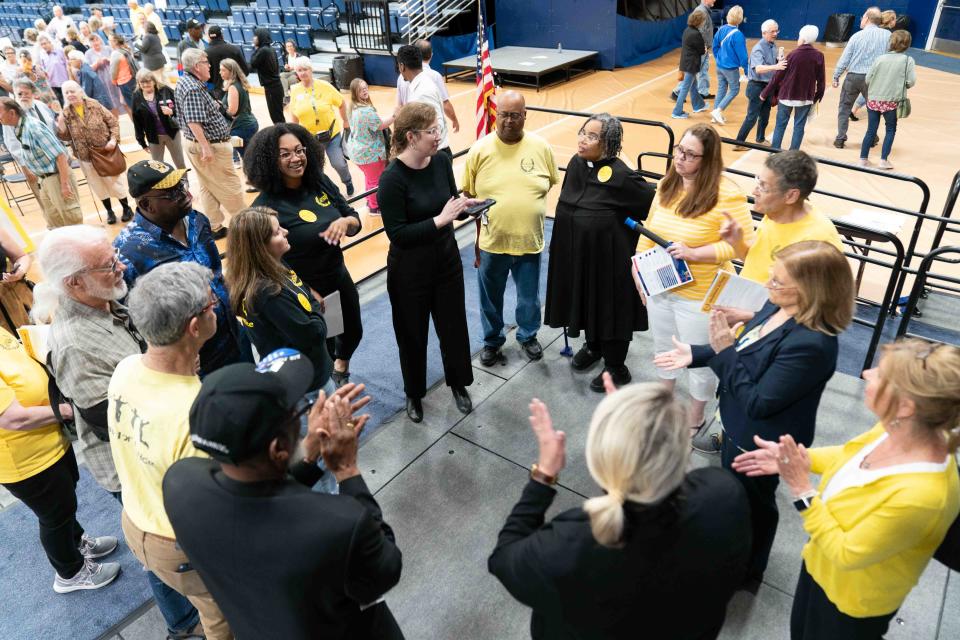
column 919, row 284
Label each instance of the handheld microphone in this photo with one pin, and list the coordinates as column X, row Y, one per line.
column 642, row 230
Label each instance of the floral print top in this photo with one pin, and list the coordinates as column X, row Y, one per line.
column 365, row 145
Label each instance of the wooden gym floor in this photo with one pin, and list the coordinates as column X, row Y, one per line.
column 925, row 145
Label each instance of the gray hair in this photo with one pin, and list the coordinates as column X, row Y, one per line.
column 302, row 62
column 44, row 36
column 75, row 55
column 611, row 134
column 60, row 255
column 26, row 83
column 769, row 25
column 165, row 299
column 795, row 170
column 70, row 84
column 638, row 447
column 146, row 74
column 809, row 34
column 191, row 57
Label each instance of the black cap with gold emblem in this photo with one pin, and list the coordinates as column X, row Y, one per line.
column 152, row 174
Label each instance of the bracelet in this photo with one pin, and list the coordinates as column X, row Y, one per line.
column 539, row 476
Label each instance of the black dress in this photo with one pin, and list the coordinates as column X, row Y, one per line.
column 424, row 272
column 589, row 286
column 305, row 214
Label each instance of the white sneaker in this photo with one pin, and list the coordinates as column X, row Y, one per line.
column 702, row 109
column 93, row 548
column 92, row 575
column 717, row 116
column 885, row 165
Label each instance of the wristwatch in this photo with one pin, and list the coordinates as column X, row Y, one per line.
column 803, row 500
column 540, row 476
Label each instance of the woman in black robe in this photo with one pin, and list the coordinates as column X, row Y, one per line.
column 589, row 286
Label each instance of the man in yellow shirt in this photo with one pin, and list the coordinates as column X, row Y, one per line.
column 150, row 396
column 517, row 170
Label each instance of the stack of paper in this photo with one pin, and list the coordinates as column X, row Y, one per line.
column 730, row 290
column 659, row 271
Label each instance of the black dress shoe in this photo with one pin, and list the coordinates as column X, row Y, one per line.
column 490, row 356
column 838, row 144
column 415, row 409
column 621, row 376
column 584, row 359
column 220, row 233
column 532, row 348
column 707, row 96
column 111, row 217
column 349, row 189
column 674, row 96
column 127, row 215
column 854, row 118
column 462, row 398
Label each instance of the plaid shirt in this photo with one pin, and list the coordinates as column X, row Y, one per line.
column 194, row 104
column 86, row 344
column 39, row 147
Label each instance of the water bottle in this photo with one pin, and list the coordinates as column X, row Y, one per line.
column 559, row 48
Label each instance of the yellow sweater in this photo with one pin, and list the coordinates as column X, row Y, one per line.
column 868, row 545
column 700, row 231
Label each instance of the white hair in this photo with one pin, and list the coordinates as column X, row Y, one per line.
column 75, row 55
column 302, row 62
column 191, row 57
column 70, row 84
column 44, row 36
column 809, row 34
column 768, row 25
column 59, row 256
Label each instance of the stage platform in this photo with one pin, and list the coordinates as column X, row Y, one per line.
column 526, row 62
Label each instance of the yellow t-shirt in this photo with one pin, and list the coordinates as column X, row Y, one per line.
column 700, row 231
column 149, row 419
column 316, row 107
column 772, row 236
column 24, row 454
column 518, row 176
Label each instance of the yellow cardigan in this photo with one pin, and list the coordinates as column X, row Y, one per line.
column 868, row 545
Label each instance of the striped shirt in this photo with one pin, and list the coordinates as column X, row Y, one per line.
column 863, row 48
column 699, row 231
column 39, row 147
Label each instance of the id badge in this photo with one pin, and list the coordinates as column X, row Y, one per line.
column 485, row 218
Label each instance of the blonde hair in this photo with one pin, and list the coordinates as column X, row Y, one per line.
column 637, row 450
column 825, row 290
column 236, row 73
column 735, row 15
column 929, row 375
column 355, row 99
column 412, row 117
column 888, row 19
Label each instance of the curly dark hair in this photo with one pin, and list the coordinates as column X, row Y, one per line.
column 261, row 160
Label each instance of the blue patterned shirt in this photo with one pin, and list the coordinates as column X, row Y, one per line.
column 144, row 246
column 863, row 48
column 39, row 147
column 763, row 54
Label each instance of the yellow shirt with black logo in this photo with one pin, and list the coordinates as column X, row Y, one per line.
column 23, row 454
column 518, row 176
column 773, row 236
column 316, row 108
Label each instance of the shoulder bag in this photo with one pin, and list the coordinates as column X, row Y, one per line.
column 105, row 162
column 903, row 106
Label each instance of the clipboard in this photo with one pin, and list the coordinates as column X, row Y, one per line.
column 333, row 314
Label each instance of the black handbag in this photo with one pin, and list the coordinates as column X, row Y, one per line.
column 387, row 137
column 324, row 137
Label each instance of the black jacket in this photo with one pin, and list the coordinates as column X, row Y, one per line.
column 773, row 386
column 694, row 544
column 264, row 60
column 691, row 50
column 144, row 126
column 217, row 51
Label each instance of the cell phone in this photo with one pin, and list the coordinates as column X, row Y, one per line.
column 780, row 53
column 479, row 208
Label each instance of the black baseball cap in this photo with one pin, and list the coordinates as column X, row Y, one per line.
column 240, row 406
column 152, row 174
column 193, row 23
column 215, row 31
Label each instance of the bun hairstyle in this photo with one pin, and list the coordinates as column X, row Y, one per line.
column 927, row 373
column 637, row 450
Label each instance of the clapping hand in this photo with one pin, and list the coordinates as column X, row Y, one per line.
column 552, row 443
column 722, row 335
column 679, row 358
column 787, row 458
column 332, row 429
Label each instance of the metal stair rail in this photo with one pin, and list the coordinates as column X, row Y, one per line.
column 424, row 18
column 368, row 25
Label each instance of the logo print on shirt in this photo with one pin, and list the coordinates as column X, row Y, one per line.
column 307, row 216
column 323, row 200
column 527, row 165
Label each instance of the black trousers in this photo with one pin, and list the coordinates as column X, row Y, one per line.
column 274, row 96
column 814, row 617
column 343, row 346
column 52, row 496
column 614, row 352
column 764, row 515
column 420, row 287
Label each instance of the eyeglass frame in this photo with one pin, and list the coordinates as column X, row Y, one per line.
column 776, row 285
column 512, row 115
column 299, row 152
column 592, row 137
column 111, row 269
column 683, row 154
column 181, row 189
column 436, row 132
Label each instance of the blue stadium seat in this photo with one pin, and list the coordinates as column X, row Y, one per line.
column 289, row 33
column 274, row 17
column 173, row 32
column 302, row 17
column 276, row 34
column 236, row 35
column 273, row 4
column 261, row 18
column 304, row 41
column 316, row 19
column 247, row 50
column 247, row 33
column 239, row 17
column 328, row 19
column 249, row 16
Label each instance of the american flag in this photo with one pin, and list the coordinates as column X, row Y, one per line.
column 486, row 91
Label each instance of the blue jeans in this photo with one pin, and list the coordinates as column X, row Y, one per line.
column 703, row 77
column 728, row 86
column 244, row 132
column 334, row 150
column 758, row 111
column 492, row 278
column 695, row 98
column 799, row 122
column 873, row 124
column 126, row 90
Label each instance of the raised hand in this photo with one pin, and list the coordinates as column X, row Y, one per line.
column 553, row 450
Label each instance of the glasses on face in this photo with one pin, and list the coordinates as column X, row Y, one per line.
column 591, row 137
column 433, row 131
column 685, row 154
column 511, row 115
column 173, row 193
column 212, row 304
column 287, row 154
column 760, row 186
column 776, row 285
column 113, row 268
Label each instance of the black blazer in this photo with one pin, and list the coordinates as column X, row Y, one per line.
column 691, row 50
column 694, row 544
column 773, row 386
column 218, row 51
column 144, row 127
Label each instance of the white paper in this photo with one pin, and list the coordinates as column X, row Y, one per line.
column 659, row 272
column 889, row 221
column 333, row 314
column 730, row 290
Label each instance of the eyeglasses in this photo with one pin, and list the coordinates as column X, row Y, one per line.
column 214, row 301
column 299, row 152
column 434, row 131
column 760, row 186
column 776, row 285
column 173, row 193
column 110, row 269
column 592, row 137
column 511, row 115
column 685, row 154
